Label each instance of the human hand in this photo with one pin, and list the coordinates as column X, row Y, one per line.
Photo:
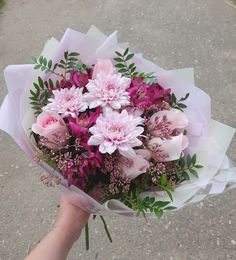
column 71, row 219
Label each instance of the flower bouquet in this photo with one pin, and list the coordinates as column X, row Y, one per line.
column 115, row 131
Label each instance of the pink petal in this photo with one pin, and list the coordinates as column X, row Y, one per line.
column 145, row 153
column 177, row 118
column 103, row 66
column 172, row 147
column 138, row 167
column 126, row 151
column 95, row 140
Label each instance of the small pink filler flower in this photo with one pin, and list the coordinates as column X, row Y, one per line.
column 107, row 88
column 117, row 131
column 67, row 102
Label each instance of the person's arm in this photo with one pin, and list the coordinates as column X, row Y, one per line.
column 67, row 229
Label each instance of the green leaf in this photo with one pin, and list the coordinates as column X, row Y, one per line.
column 169, row 194
column 57, row 84
column 161, row 204
column 41, row 59
column 119, row 54
column 45, row 62
column 34, row 103
column 122, row 70
column 189, row 161
column 146, row 199
column 181, row 162
column 73, row 59
column 63, row 62
column 194, row 173
column 181, row 105
column 151, row 200
column 50, row 64
column 130, row 56
column 158, row 212
column 66, row 55
column 73, row 54
column 131, row 66
column 163, row 180
column 194, row 158
column 198, row 166
column 40, row 83
column 36, row 67
column 185, row 175
column 118, row 59
column 133, row 70
column 120, row 65
column 170, row 208
column 126, row 52
column 61, row 66
column 55, row 66
column 33, row 98
column 184, row 98
column 50, row 83
column 36, row 107
column 34, row 59
column 173, row 97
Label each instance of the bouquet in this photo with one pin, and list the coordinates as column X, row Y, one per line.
column 120, row 134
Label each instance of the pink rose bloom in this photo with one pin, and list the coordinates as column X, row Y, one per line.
column 117, row 131
column 168, row 140
column 107, row 88
column 134, row 167
column 51, row 126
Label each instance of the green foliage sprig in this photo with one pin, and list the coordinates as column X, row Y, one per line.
column 144, row 205
column 69, row 62
column 128, row 69
column 148, row 78
column 40, row 95
column 124, row 67
column 187, row 167
column 44, row 65
column 165, row 186
column 178, row 103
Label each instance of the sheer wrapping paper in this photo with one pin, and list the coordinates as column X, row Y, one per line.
column 205, row 134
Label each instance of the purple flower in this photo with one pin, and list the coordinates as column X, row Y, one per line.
column 79, row 80
column 89, row 163
column 143, row 95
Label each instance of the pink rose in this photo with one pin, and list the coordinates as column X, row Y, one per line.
column 103, row 66
column 133, row 168
column 51, row 126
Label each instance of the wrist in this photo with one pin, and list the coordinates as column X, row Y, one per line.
column 65, row 235
column 71, row 228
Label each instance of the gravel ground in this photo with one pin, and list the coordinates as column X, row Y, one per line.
column 174, row 34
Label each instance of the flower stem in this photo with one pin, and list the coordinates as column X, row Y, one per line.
column 87, row 236
column 106, row 228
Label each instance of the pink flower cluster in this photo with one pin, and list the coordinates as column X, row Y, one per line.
column 102, row 113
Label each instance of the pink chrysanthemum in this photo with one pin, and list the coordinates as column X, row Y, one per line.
column 107, row 88
column 116, row 131
column 67, row 102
